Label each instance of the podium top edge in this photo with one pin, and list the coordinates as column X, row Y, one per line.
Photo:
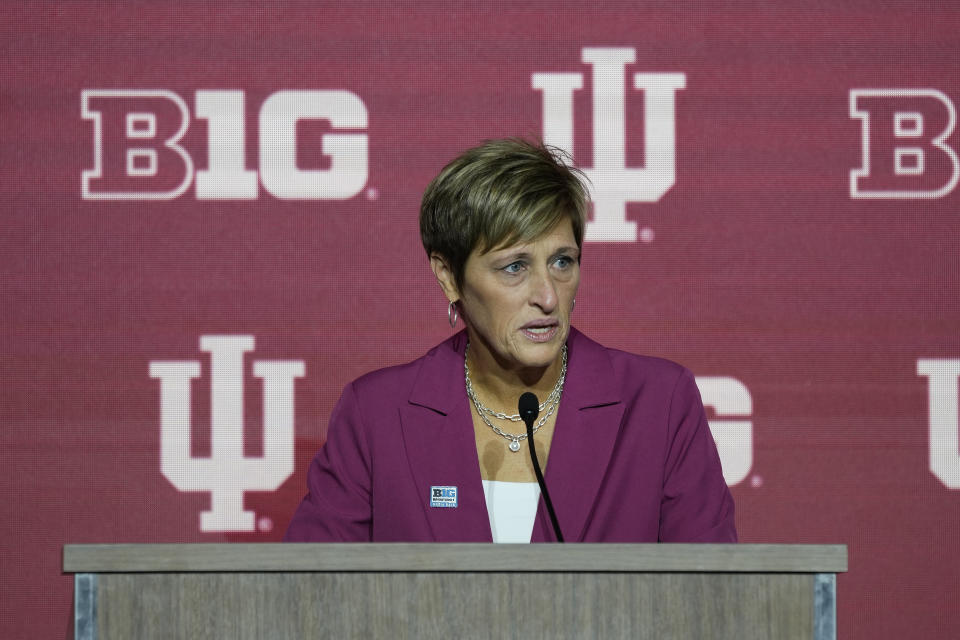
column 454, row 557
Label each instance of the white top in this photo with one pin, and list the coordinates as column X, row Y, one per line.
column 512, row 507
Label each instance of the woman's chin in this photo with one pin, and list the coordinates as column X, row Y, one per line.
column 539, row 355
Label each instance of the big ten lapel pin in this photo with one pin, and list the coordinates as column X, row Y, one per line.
column 443, row 496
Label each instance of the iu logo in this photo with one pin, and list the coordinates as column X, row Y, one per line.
column 615, row 184
column 904, row 146
column 943, row 377
column 226, row 474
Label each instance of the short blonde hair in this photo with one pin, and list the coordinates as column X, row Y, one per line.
column 498, row 194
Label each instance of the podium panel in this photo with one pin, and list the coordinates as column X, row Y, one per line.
column 452, row 590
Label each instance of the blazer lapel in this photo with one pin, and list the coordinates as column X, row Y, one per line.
column 588, row 424
column 441, row 448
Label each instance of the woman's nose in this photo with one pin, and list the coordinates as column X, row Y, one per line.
column 543, row 292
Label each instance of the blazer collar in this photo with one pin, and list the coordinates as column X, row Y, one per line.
column 590, row 380
column 441, row 447
column 588, row 424
column 439, row 384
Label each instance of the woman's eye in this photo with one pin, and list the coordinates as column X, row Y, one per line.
column 513, row 267
column 563, row 262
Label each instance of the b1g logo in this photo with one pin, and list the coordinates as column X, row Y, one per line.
column 904, row 146
column 227, row 474
column 137, row 153
column 444, row 497
column 614, row 184
column 943, row 376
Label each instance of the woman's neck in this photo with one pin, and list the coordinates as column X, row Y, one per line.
column 500, row 386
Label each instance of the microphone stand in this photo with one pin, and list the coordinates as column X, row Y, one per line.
column 529, row 408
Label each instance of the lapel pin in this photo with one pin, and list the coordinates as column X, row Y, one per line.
column 443, row 496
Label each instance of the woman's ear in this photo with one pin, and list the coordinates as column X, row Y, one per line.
column 443, row 272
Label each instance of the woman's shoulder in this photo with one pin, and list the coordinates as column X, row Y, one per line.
column 625, row 365
column 400, row 380
column 614, row 375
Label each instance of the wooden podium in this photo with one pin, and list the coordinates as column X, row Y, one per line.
column 201, row 591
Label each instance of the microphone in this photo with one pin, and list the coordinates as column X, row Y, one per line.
column 529, row 408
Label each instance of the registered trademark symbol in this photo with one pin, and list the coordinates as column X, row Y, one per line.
column 372, row 193
column 265, row 524
column 647, row 235
column 756, row 482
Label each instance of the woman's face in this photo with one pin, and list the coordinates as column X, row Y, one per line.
column 517, row 300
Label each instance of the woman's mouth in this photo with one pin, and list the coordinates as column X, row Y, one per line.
column 540, row 333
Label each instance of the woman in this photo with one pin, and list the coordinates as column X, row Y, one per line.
column 431, row 450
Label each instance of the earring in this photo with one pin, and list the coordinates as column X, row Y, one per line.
column 453, row 314
column 572, row 306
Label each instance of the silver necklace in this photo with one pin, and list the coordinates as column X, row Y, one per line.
column 550, row 404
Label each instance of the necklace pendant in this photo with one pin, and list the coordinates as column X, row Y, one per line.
column 515, row 445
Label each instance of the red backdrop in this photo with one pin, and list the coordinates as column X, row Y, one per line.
column 782, row 179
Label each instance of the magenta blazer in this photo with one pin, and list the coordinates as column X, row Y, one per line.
column 632, row 458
